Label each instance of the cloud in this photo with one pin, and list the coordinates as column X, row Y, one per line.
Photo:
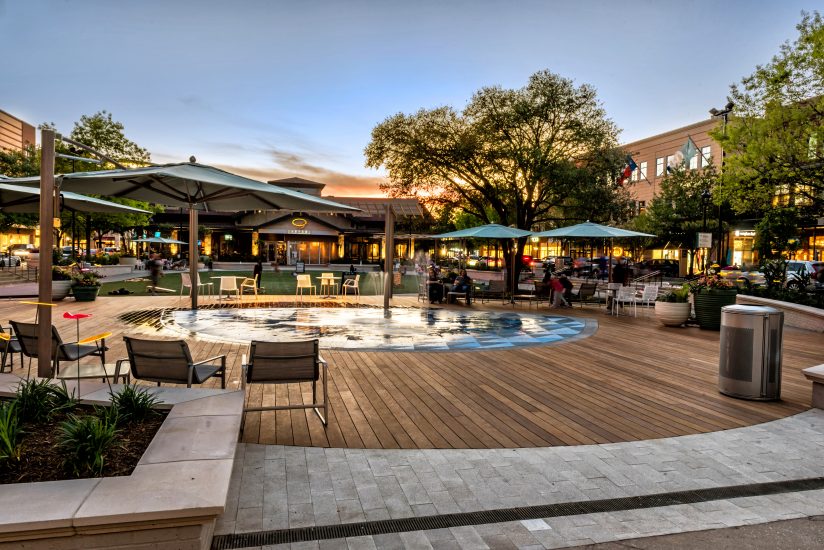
column 337, row 183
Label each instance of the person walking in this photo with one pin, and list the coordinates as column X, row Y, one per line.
column 155, row 268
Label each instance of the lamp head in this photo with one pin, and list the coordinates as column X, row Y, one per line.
column 729, row 106
column 714, row 111
column 706, row 195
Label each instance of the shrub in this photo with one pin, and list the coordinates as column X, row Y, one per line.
column 35, row 399
column 62, row 400
column 86, row 440
column 134, row 403
column 680, row 295
column 60, row 274
column 10, row 430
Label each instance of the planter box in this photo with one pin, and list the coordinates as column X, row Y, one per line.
column 127, row 260
column 672, row 314
column 708, row 307
column 85, row 293
column 171, row 500
column 60, row 289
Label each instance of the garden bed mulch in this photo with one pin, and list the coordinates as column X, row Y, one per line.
column 42, row 460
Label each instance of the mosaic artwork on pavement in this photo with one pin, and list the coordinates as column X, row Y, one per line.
column 402, row 329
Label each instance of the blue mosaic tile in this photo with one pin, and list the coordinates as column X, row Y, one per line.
column 368, row 329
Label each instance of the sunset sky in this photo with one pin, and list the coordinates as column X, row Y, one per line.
column 274, row 89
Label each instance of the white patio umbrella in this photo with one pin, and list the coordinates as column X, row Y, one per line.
column 193, row 186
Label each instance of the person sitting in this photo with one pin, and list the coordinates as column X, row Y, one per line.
column 434, row 286
column 463, row 284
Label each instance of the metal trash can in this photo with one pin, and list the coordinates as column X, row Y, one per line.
column 750, row 362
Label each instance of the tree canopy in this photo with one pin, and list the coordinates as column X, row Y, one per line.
column 521, row 157
column 774, row 142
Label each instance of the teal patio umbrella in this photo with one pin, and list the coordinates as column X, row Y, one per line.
column 491, row 231
column 592, row 230
column 23, row 199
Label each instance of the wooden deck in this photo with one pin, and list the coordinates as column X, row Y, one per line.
column 631, row 380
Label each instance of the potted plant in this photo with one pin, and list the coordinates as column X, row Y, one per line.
column 673, row 308
column 85, row 286
column 711, row 293
column 61, row 283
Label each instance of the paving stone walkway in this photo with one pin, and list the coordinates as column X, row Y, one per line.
column 277, row 487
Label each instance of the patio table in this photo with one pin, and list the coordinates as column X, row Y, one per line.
column 328, row 283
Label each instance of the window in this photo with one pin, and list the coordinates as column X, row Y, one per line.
column 635, row 175
column 693, row 161
column 659, row 167
column 671, row 163
column 641, row 207
column 642, row 171
column 705, row 156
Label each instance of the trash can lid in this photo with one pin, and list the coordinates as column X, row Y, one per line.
column 742, row 309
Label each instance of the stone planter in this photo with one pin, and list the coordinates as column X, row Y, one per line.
column 708, row 304
column 85, row 293
column 672, row 314
column 127, row 260
column 171, row 500
column 60, row 289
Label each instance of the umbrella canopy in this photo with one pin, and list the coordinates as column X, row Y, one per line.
column 158, row 240
column 590, row 230
column 489, row 231
column 22, row 199
column 191, row 184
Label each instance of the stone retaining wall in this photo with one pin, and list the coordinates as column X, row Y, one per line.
column 171, row 500
column 795, row 315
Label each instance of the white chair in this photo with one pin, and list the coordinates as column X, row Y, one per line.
column 304, row 283
column 228, row 284
column 649, row 295
column 249, row 285
column 185, row 282
column 328, row 284
column 201, row 285
column 625, row 295
column 352, row 286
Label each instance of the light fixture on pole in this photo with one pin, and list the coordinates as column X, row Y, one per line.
column 723, row 114
column 706, row 196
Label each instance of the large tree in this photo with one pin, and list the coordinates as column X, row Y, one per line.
column 774, row 143
column 677, row 213
column 516, row 157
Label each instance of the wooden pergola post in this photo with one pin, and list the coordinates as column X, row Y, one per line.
column 44, row 280
column 388, row 255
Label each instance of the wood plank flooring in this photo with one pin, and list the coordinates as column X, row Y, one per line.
column 632, row 379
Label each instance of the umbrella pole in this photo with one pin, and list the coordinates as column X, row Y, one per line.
column 193, row 256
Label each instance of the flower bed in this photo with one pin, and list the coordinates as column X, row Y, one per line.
column 170, row 500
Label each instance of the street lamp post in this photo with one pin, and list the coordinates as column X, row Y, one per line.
column 705, row 201
column 723, row 114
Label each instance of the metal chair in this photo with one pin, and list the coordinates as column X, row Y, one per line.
column 352, row 285
column 26, row 334
column 228, row 284
column 287, row 363
column 586, row 293
column 10, row 345
column 249, row 285
column 625, row 295
column 170, row 361
column 304, row 283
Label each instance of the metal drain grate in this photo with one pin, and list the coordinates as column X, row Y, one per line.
column 325, row 532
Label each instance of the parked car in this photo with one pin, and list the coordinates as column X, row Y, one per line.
column 9, row 260
column 551, row 262
column 21, row 250
column 797, row 268
column 736, row 275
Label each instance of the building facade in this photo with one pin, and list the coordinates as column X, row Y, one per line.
column 16, row 135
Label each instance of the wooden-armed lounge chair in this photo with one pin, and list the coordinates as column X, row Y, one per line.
column 586, row 293
column 170, row 361
column 287, row 363
column 10, row 346
column 26, row 334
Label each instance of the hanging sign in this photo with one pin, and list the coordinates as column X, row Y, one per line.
column 704, row 240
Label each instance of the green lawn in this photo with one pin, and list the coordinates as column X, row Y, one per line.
column 273, row 283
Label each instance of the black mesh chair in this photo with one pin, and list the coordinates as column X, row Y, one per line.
column 26, row 334
column 287, row 363
column 9, row 347
column 170, row 361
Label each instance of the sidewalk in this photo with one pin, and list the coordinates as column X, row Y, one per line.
column 280, row 491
